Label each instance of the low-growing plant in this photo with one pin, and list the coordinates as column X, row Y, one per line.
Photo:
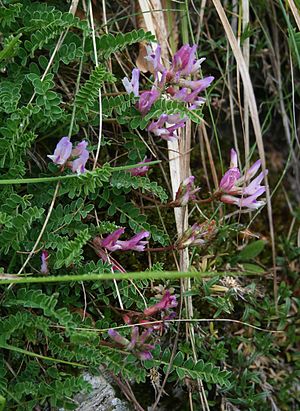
column 85, row 229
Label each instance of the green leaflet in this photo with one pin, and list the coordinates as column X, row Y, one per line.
column 188, row 368
column 126, row 180
column 72, row 251
column 108, row 43
column 17, row 227
column 89, row 92
column 10, row 47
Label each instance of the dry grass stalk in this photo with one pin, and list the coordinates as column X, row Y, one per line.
column 179, row 164
column 246, row 54
column 295, row 12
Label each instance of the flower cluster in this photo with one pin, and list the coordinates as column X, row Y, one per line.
column 174, row 81
column 239, row 190
column 74, row 158
column 137, row 345
column 112, row 242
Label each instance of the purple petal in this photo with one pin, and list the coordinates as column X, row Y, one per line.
column 132, row 86
column 62, row 151
column 44, row 266
column 255, row 184
column 145, row 335
column 228, row 199
column 135, row 242
column 199, row 85
column 154, row 58
column 142, row 170
column 229, row 179
column 144, row 355
column 134, row 338
column 110, row 242
column 79, row 149
column 233, row 159
column 253, row 170
column 146, row 101
column 78, row 165
column 118, row 338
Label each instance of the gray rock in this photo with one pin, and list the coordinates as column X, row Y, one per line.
column 101, row 398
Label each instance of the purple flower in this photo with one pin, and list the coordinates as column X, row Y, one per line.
column 132, row 86
column 253, row 170
column 160, row 79
column 192, row 98
column 199, row 85
column 137, row 343
column 112, row 242
column 62, row 151
column 134, row 338
column 135, row 242
column 44, row 267
column 159, row 128
column 118, row 338
column 78, row 165
column 154, row 58
column 168, row 301
column 197, row 235
column 231, row 176
column 184, row 62
column 186, row 192
column 142, row 170
column 233, row 184
column 146, row 101
column 145, row 355
column 79, row 149
column 248, row 202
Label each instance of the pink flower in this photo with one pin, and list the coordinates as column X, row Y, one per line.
column 146, row 101
column 168, row 301
column 142, row 170
column 44, row 266
column 233, row 184
column 62, row 151
column 78, row 165
column 112, row 242
column 159, row 128
column 186, row 192
column 132, row 86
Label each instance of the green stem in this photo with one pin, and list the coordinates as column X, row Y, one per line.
column 67, row 177
column 145, row 275
column 43, row 357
